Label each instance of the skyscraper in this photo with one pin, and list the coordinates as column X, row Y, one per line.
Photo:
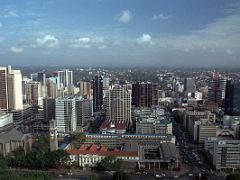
column 232, row 99
column 85, row 89
column 97, row 93
column 84, row 111
column 33, row 92
column 3, row 89
column 66, row 78
column 144, row 94
column 216, row 90
column 118, row 104
column 66, row 114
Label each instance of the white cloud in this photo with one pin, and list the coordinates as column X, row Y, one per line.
column 16, row 49
column 48, row 41
column 11, row 13
column 83, row 42
column 102, row 47
column 145, row 39
column 125, row 16
column 161, row 17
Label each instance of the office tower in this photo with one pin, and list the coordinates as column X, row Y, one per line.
column 25, row 80
column 51, row 89
column 84, row 111
column 49, row 109
column 232, row 100
column 189, row 85
column 53, row 135
column 118, row 104
column 33, row 92
column 144, row 94
column 97, row 93
column 40, row 77
column 65, row 78
column 3, row 89
column 216, row 90
column 66, row 114
column 85, row 89
column 15, row 98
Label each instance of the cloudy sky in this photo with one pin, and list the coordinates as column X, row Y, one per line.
column 200, row 33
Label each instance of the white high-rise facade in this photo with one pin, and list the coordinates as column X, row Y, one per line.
column 15, row 98
column 118, row 104
column 66, row 78
column 66, row 114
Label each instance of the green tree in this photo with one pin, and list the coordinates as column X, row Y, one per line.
column 110, row 163
column 121, row 175
column 234, row 176
column 77, row 139
column 93, row 177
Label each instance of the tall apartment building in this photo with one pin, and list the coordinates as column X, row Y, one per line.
column 225, row 154
column 3, row 89
column 66, row 114
column 232, row 99
column 97, row 93
column 117, row 104
column 15, row 98
column 144, row 94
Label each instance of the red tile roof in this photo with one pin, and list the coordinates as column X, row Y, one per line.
column 101, row 151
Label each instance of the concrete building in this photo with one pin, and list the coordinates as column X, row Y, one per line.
column 117, row 104
column 158, row 156
column 202, row 130
column 3, row 89
column 153, row 126
column 13, row 139
column 15, row 97
column 85, row 89
column 33, row 93
column 189, row 85
column 49, row 105
column 53, row 135
column 225, row 154
column 5, row 120
column 65, row 78
column 191, row 116
column 97, row 93
column 66, row 114
column 84, row 111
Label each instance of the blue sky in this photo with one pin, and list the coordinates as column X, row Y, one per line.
column 120, row 33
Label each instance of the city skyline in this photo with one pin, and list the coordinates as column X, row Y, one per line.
column 137, row 33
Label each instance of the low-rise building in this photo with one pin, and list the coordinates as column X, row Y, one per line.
column 5, row 120
column 13, row 139
column 90, row 156
column 153, row 125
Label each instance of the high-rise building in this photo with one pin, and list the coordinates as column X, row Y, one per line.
column 15, row 97
column 51, row 89
column 3, row 89
column 85, row 89
column 189, row 85
column 66, row 114
column 232, row 99
column 97, row 93
column 216, row 90
column 65, row 78
column 117, row 104
column 49, row 109
column 33, row 92
column 84, row 111
column 144, row 94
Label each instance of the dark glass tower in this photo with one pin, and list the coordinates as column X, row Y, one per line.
column 97, row 93
column 232, row 99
